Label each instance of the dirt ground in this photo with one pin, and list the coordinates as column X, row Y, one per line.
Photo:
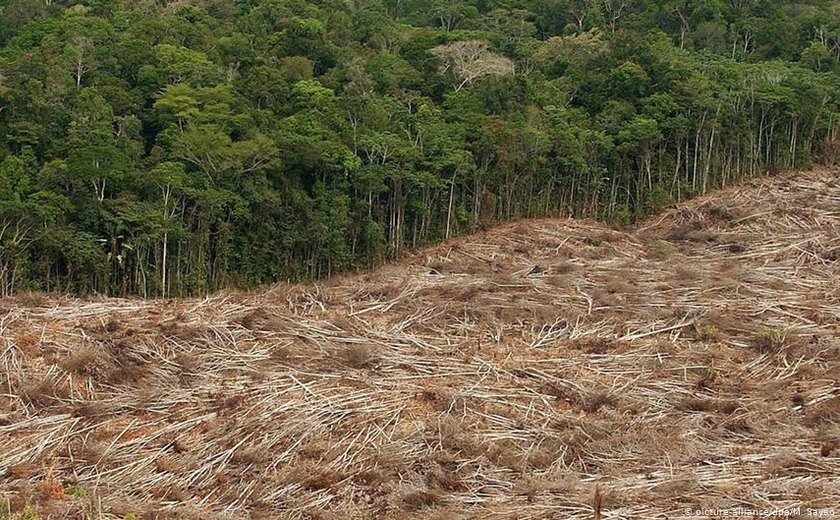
column 543, row 369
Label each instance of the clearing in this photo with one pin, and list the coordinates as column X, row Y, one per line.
column 544, row 369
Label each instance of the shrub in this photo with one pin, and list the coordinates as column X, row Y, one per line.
column 770, row 339
column 707, row 332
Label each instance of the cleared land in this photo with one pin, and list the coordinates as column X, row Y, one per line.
column 691, row 362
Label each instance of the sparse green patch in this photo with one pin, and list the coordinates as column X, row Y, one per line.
column 707, row 332
column 75, row 491
column 770, row 339
column 6, row 512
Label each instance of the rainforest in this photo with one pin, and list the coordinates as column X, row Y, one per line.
column 170, row 148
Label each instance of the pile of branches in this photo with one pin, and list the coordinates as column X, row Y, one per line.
column 543, row 369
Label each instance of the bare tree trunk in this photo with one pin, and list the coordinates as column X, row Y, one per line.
column 449, row 209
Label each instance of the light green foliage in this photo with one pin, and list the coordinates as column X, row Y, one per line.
column 75, row 491
column 770, row 339
column 707, row 332
column 6, row 514
column 181, row 64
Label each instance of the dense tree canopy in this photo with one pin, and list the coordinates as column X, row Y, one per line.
column 169, row 148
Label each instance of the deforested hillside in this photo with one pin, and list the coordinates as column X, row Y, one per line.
column 542, row 369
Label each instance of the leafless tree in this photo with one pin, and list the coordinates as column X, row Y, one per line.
column 613, row 10
column 470, row 60
column 80, row 52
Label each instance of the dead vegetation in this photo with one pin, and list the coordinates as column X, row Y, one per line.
column 551, row 368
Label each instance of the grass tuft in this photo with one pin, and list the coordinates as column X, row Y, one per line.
column 770, row 339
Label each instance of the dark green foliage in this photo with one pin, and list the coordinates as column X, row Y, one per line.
column 161, row 150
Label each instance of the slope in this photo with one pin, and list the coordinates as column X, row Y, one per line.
column 540, row 370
